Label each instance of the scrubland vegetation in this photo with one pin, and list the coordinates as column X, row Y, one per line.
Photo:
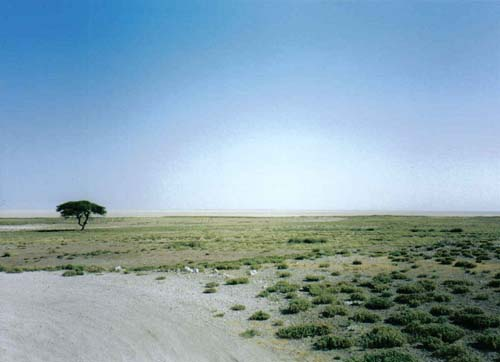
column 371, row 289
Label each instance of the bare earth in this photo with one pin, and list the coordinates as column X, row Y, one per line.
column 116, row 317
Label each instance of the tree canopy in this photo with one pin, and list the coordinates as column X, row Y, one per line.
column 81, row 210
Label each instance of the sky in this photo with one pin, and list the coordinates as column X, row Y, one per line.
column 249, row 104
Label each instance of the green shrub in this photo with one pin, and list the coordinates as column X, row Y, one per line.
column 333, row 310
column 346, row 288
column 444, row 331
column 323, row 299
column 383, row 337
column 210, row 290
column 489, row 341
column 481, row 297
column 282, row 287
column 303, row 331
column 440, row 310
column 324, row 265
column 333, row 342
column 235, row 281
column 387, row 356
column 357, row 262
column 379, row 303
column 494, row 284
column 238, row 307
column 249, row 333
column 313, row 278
column 284, row 274
column 259, row 316
column 459, row 289
column 475, row 321
column 364, row 316
column 442, row 298
column 72, row 273
column 430, row 343
column 465, row 264
column 455, row 282
column 382, row 278
column 306, row 241
column 282, row 266
column 399, row 276
column 412, row 288
column 357, row 297
column 316, row 289
column 161, row 277
column 413, row 300
column 407, row 316
column 455, row 353
column 212, row 285
column 297, row 305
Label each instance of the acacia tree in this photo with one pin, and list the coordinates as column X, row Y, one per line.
column 81, row 210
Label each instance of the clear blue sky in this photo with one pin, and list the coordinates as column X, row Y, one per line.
column 250, row 104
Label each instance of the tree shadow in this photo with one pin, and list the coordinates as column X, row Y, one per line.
column 55, row 230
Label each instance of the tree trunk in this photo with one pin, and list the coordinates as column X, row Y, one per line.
column 86, row 219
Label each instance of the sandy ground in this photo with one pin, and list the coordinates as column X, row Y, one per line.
column 117, row 317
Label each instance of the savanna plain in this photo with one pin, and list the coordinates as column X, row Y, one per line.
column 315, row 288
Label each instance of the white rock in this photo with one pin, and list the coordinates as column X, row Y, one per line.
column 118, row 268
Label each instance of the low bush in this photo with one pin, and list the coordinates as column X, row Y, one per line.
column 323, row 299
column 333, row 342
column 387, row 356
column 475, row 321
column 407, row 316
column 334, row 310
column 444, row 331
column 235, row 281
column 313, row 278
column 212, row 285
column 306, row 241
column 465, row 264
column 259, row 316
column 442, row 298
column 379, row 303
column 282, row 266
column 489, row 341
column 238, row 307
column 383, row 337
column 72, row 273
column 284, row 274
column 430, row 343
column 303, row 331
column 455, row 353
column 282, row 287
column 210, row 290
column 249, row 333
column 440, row 310
column 364, row 316
column 296, row 305
column 357, row 297
column 494, row 284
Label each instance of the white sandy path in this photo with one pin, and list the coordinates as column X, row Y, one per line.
column 45, row 317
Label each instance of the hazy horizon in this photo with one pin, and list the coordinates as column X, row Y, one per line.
column 241, row 105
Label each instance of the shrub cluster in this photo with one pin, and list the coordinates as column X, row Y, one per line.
column 383, row 337
column 333, row 342
column 303, row 331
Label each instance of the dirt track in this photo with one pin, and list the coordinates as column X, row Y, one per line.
column 116, row 317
